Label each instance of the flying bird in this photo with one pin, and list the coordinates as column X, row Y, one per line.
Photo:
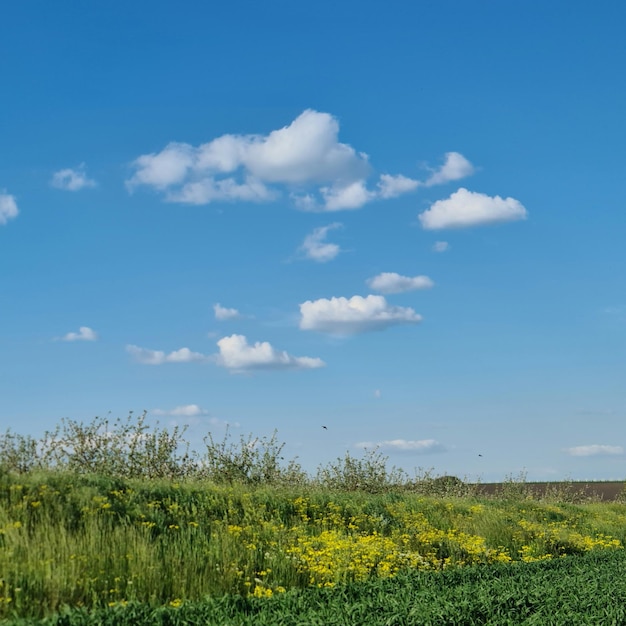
column 325, row 427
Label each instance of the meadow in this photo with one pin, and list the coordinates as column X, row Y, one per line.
column 120, row 523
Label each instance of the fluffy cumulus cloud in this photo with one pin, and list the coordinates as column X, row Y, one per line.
column 595, row 450
column 306, row 150
column 237, row 355
column 72, row 179
column 390, row 282
column 468, row 208
column 8, row 207
column 421, row 446
column 305, row 157
column 455, row 167
column 158, row 357
column 239, row 167
column 222, row 313
column 84, row 334
column 185, row 410
column 315, row 246
column 349, row 316
column 163, row 169
column 351, row 196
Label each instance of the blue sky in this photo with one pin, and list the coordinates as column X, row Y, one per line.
column 401, row 221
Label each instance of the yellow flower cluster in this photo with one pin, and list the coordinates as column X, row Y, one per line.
column 543, row 541
column 344, row 553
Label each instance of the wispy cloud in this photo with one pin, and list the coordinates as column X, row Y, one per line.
column 468, row 208
column 315, row 246
column 618, row 312
column 185, row 410
column 595, row 450
column 210, row 190
column 394, row 186
column 349, row 316
column 72, row 179
column 390, row 282
column 237, row 355
column 223, row 313
column 8, row 207
column 158, row 357
column 422, row 446
column 84, row 334
column 441, row 246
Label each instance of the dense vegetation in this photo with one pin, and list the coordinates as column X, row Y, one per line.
column 121, row 524
column 573, row 591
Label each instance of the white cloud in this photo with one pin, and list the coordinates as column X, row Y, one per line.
column 468, row 208
column 595, row 450
column 423, row 446
column 348, row 316
column 307, row 152
column 222, row 313
column 237, row 355
column 316, row 248
column 84, row 334
column 186, row 410
column 228, row 189
column 377, row 393
column 305, row 156
column 354, row 195
column 390, row 282
column 72, row 180
column 351, row 196
column 8, row 207
column 615, row 310
column 455, row 167
column 215, row 421
column 306, row 202
column 158, row 357
column 441, row 246
column 168, row 167
column 394, row 186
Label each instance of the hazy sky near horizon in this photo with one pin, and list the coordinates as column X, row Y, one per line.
column 402, row 221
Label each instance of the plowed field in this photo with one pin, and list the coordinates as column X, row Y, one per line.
column 606, row 491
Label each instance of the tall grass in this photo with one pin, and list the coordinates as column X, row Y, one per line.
column 97, row 541
column 105, row 514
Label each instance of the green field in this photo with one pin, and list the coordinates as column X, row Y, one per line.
column 588, row 590
column 86, row 543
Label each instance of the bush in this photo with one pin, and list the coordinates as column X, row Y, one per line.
column 130, row 448
column 369, row 474
column 250, row 461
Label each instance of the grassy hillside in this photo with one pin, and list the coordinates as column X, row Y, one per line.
column 114, row 523
column 95, row 541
